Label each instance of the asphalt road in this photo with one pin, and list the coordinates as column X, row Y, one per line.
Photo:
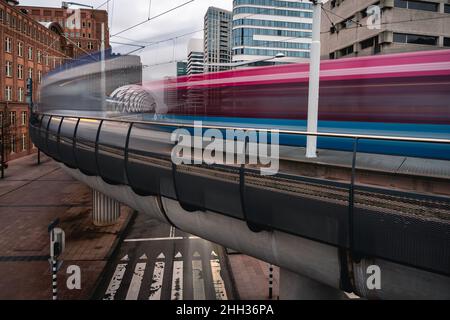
column 158, row 262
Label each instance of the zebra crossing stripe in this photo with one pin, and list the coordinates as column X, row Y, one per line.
column 157, row 279
column 198, row 283
column 136, row 281
column 219, row 285
column 116, row 280
column 177, row 278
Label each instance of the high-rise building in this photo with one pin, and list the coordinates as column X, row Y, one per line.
column 28, row 49
column 367, row 27
column 264, row 28
column 217, row 38
column 181, row 68
column 195, row 56
column 82, row 27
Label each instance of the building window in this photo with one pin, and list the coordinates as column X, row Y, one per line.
column 24, row 142
column 346, row 51
column 8, row 44
column 90, row 46
column 20, row 49
column 12, row 118
column 30, row 73
column 13, row 143
column 30, row 53
column 20, row 71
column 24, row 118
column 415, row 39
column 39, row 76
column 39, row 56
column 447, row 8
column 20, row 94
column 446, row 42
column 46, row 60
column 8, row 68
column 417, row 5
column 8, row 93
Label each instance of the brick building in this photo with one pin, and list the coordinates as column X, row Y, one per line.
column 82, row 27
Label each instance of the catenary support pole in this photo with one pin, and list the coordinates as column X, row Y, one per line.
column 314, row 80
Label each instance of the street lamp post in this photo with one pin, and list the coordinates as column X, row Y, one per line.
column 314, row 80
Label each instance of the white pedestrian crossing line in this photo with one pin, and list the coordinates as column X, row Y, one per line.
column 116, row 280
column 198, row 283
column 156, row 286
column 219, row 285
column 177, row 278
column 136, row 281
column 157, row 278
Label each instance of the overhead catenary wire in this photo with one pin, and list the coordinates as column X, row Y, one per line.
column 152, row 18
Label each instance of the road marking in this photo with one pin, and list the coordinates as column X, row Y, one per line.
column 116, row 280
column 143, row 257
column 177, row 278
column 172, row 232
column 157, row 279
column 125, row 258
column 219, row 285
column 197, row 278
column 136, row 281
column 161, row 239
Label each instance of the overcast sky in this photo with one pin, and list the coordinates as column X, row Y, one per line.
column 125, row 13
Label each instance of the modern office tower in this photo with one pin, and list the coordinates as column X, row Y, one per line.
column 195, row 56
column 217, row 38
column 264, row 28
column 367, row 27
column 181, row 68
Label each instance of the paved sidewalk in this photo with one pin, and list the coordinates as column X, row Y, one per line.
column 31, row 196
column 251, row 277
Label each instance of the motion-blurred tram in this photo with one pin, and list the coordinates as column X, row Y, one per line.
column 405, row 94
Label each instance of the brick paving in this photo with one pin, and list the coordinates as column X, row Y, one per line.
column 251, row 277
column 31, row 196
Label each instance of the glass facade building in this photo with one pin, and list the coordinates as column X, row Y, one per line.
column 264, row 28
column 217, row 38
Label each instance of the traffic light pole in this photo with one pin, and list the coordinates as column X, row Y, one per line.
column 57, row 244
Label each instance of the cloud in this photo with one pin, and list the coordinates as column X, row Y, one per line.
column 125, row 13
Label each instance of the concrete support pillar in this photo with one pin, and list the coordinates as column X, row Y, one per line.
column 297, row 287
column 105, row 210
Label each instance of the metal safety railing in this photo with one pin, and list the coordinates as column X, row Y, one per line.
column 356, row 138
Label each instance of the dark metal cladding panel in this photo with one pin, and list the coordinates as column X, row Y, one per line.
column 219, row 194
column 403, row 239
column 111, row 152
column 306, row 217
column 149, row 165
column 42, row 138
column 52, row 138
column 65, row 147
column 85, row 146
